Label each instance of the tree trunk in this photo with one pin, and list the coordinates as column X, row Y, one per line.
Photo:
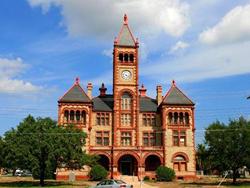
column 42, row 168
column 13, row 172
column 234, row 176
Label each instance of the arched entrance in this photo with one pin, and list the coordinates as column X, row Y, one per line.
column 128, row 165
column 104, row 161
column 152, row 162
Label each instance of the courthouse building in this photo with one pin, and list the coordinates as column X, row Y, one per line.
column 131, row 132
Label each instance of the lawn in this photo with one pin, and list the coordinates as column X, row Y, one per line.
column 8, row 182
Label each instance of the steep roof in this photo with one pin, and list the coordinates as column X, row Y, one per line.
column 103, row 103
column 125, row 37
column 148, row 104
column 75, row 94
column 176, row 97
column 106, row 104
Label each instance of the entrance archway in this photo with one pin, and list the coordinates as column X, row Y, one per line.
column 152, row 162
column 104, row 161
column 128, row 165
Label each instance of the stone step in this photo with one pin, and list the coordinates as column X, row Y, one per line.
column 133, row 180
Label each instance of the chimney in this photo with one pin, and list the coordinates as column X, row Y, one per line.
column 102, row 90
column 159, row 95
column 142, row 91
column 77, row 81
column 89, row 88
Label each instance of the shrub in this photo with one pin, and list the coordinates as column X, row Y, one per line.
column 97, row 173
column 146, row 178
column 165, row 174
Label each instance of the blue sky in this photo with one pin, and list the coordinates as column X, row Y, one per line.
column 202, row 44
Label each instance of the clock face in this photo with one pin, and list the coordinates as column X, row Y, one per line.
column 126, row 75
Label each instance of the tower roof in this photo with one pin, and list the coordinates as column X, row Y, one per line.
column 75, row 94
column 125, row 37
column 176, row 97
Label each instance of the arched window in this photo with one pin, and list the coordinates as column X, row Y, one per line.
column 120, row 57
column 181, row 118
column 180, row 163
column 77, row 115
column 126, row 57
column 131, row 57
column 175, row 118
column 71, row 115
column 186, row 118
column 152, row 162
column 170, row 117
column 126, row 101
column 66, row 115
column 83, row 117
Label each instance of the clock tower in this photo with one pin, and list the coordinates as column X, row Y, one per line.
column 125, row 88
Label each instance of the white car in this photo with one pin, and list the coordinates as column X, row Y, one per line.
column 111, row 183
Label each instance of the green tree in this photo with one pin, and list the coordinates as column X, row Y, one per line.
column 165, row 174
column 98, row 172
column 203, row 158
column 40, row 145
column 228, row 146
column 11, row 151
column 1, row 152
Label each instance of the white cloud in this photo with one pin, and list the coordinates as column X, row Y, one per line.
column 106, row 78
column 233, row 27
column 214, row 62
column 9, row 69
column 108, row 52
column 103, row 18
column 180, row 45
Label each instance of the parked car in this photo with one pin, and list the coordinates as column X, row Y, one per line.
column 111, row 183
column 22, row 173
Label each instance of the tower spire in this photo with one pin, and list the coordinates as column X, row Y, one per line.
column 125, row 19
column 125, row 36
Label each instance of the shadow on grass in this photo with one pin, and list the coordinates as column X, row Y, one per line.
column 36, row 184
column 228, row 183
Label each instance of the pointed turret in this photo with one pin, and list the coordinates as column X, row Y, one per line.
column 176, row 97
column 125, row 37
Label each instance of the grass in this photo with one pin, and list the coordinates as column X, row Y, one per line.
column 8, row 182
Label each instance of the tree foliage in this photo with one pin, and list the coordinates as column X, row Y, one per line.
column 41, row 146
column 203, row 160
column 1, row 152
column 98, row 172
column 165, row 174
column 228, row 146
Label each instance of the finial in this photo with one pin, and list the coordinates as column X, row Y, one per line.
column 102, row 85
column 116, row 40
column 77, row 81
column 125, row 19
column 173, row 83
column 142, row 86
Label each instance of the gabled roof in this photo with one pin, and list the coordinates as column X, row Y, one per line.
column 75, row 94
column 176, row 97
column 125, row 37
